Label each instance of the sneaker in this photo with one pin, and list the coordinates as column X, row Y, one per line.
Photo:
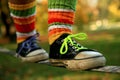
column 29, row 51
column 66, row 52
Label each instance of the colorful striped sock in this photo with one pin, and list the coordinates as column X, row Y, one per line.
column 23, row 14
column 60, row 18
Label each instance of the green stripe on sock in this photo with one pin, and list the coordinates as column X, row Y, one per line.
column 62, row 4
column 23, row 13
column 58, row 23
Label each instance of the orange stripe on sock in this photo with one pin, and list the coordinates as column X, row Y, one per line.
column 22, row 21
column 21, row 39
column 52, row 38
column 58, row 30
column 56, row 33
column 65, row 17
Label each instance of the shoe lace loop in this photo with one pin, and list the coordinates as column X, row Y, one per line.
column 68, row 40
column 29, row 44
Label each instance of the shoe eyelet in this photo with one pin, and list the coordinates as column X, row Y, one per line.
column 62, row 40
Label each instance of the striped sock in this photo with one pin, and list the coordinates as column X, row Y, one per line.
column 60, row 18
column 23, row 14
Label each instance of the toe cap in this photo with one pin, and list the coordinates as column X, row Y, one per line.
column 88, row 54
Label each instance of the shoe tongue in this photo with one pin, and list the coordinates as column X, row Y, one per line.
column 25, row 40
column 61, row 38
column 64, row 35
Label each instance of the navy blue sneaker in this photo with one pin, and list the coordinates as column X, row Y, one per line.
column 66, row 52
column 30, row 51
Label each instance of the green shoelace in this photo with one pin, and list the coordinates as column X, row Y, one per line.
column 68, row 39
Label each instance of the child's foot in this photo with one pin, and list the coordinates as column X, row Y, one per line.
column 68, row 53
column 29, row 51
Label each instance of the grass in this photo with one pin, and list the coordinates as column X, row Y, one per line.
column 12, row 69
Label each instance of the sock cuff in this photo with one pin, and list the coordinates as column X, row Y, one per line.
column 62, row 4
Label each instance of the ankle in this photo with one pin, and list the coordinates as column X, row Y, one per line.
column 27, row 46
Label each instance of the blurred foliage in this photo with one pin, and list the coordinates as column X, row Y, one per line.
column 114, row 9
column 4, row 8
column 5, row 20
column 81, row 16
column 42, row 17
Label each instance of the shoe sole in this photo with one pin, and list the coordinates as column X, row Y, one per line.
column 79, row 64
column 34, row 58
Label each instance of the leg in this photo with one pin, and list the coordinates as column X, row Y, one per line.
column 23, row 14
column 64, row 51
column 7, row 24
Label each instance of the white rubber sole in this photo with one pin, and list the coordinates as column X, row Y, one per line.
column 80, row 64
column 34, row 58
